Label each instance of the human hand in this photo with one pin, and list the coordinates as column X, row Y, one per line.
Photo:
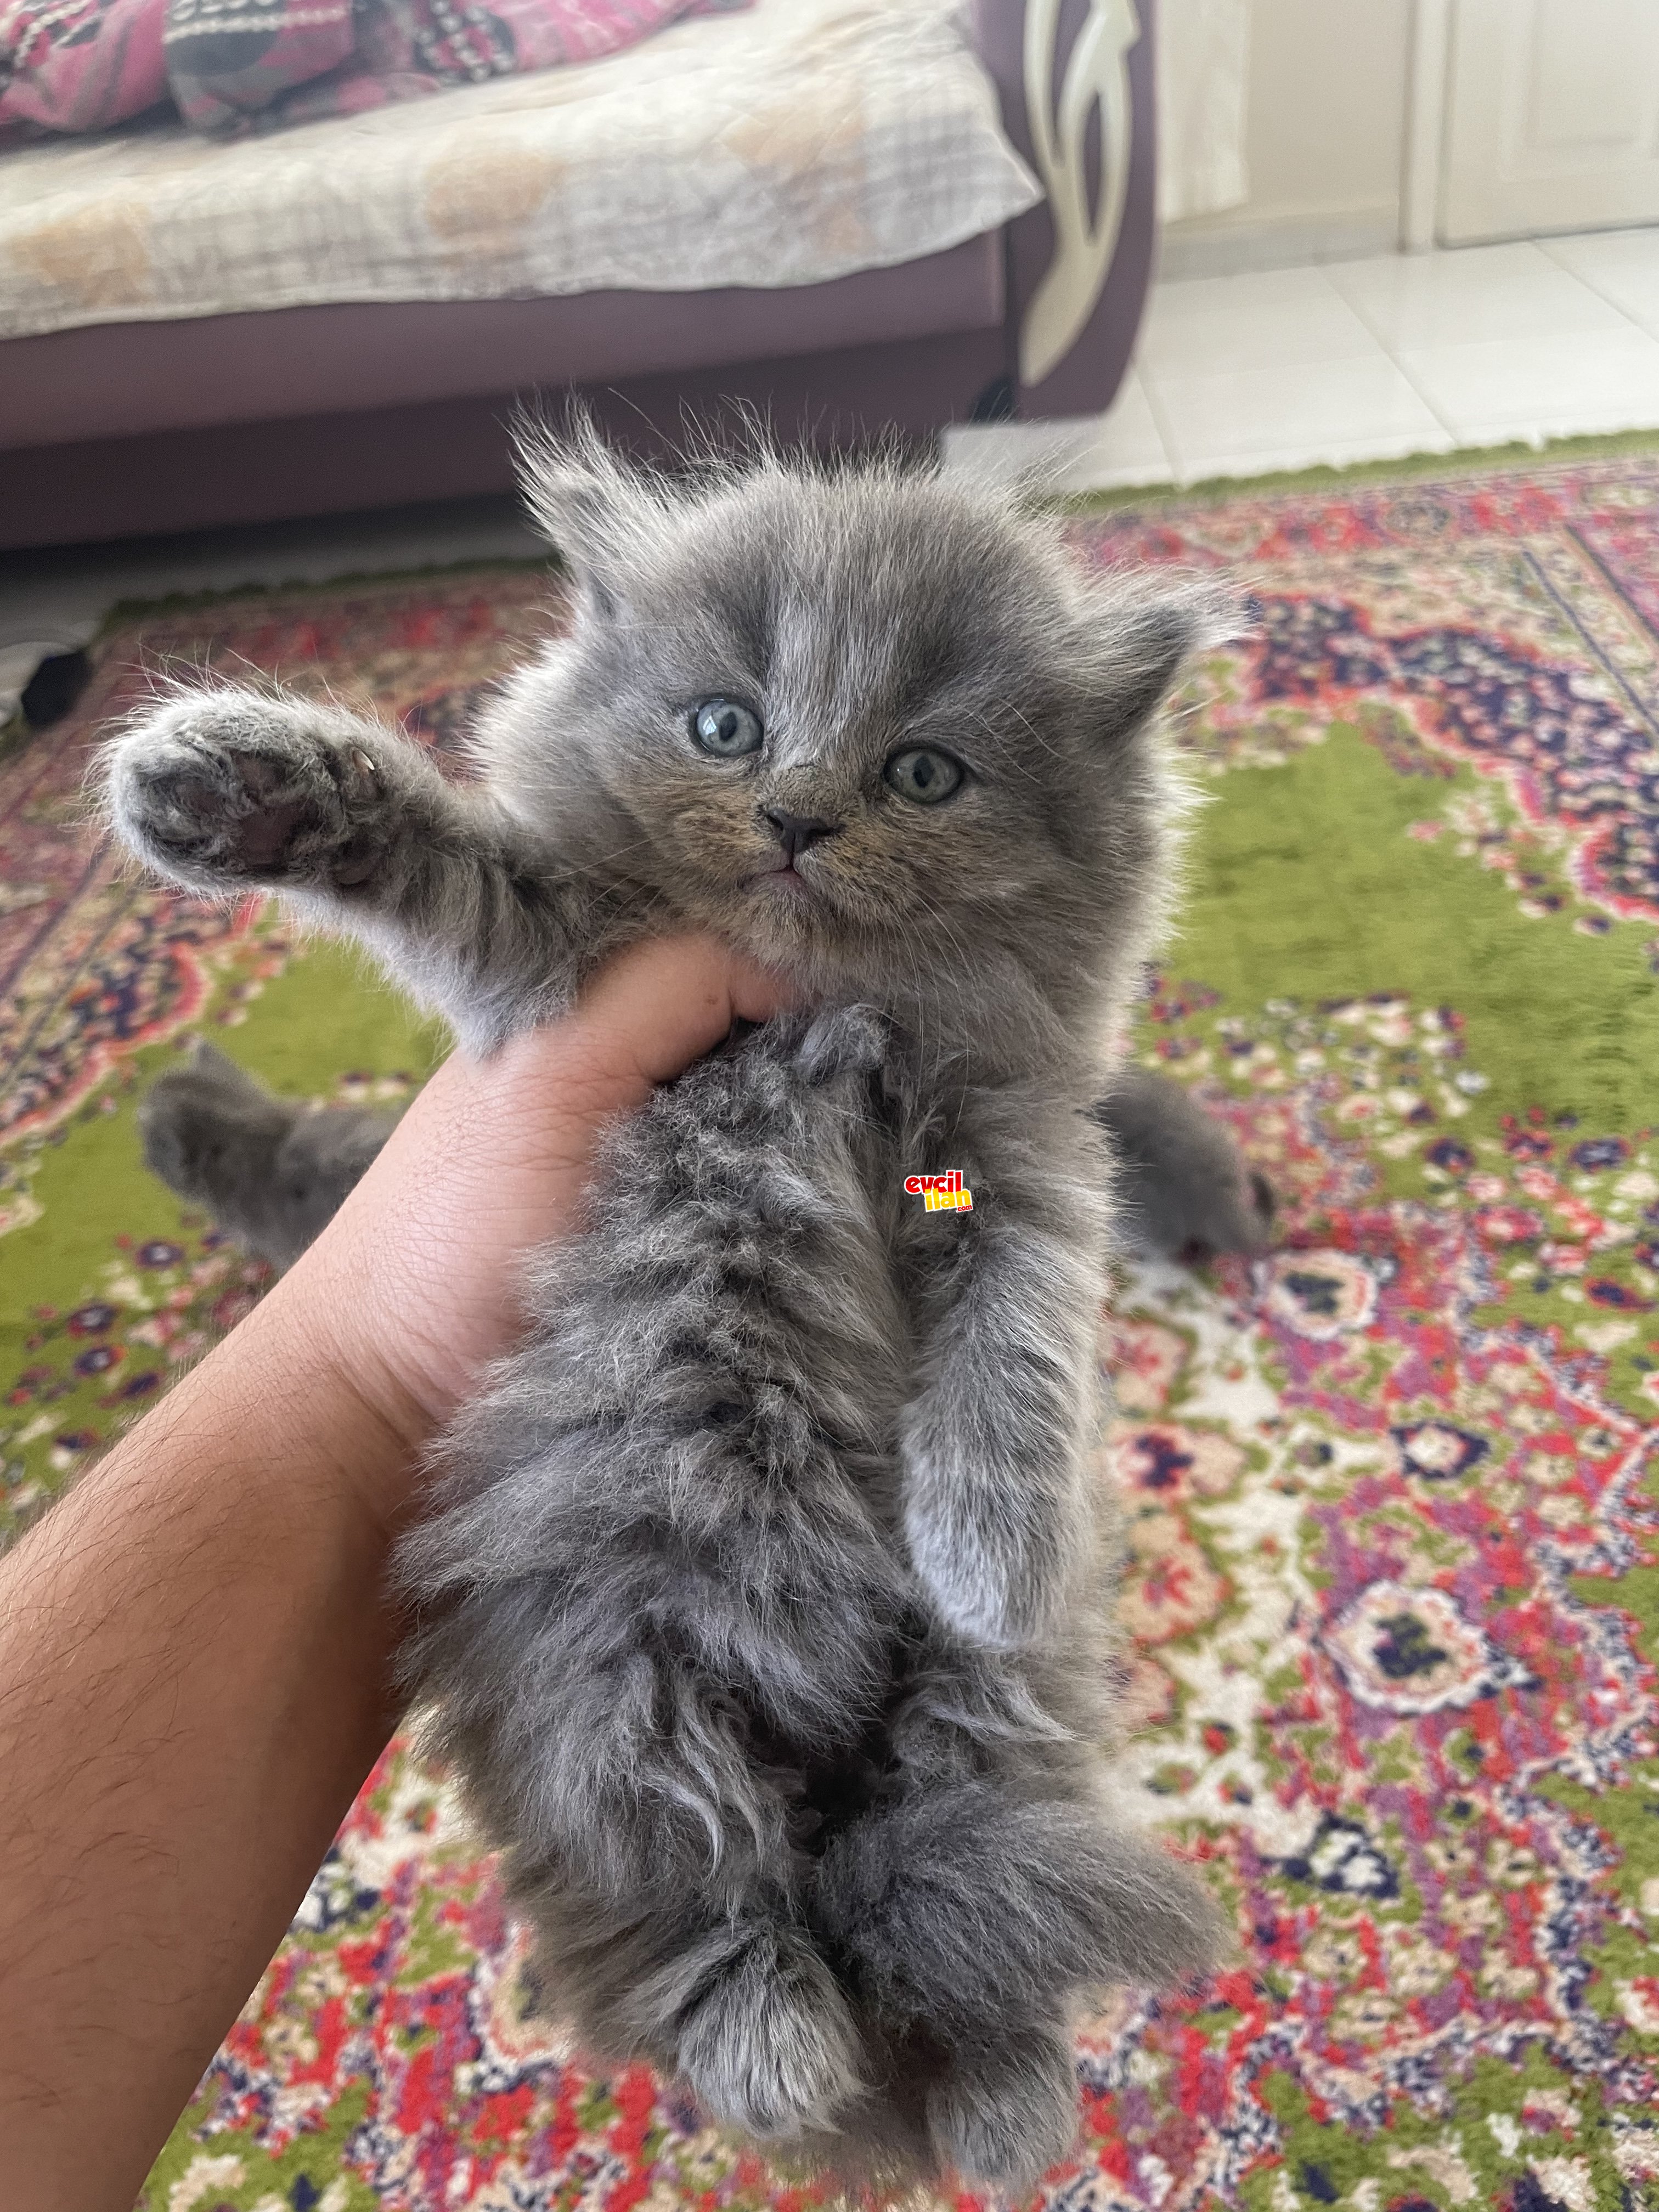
column 413, row 1287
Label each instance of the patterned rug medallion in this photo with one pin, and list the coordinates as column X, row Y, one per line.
column 1396, row 1583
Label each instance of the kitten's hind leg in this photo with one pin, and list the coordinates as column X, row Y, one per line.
column 270, row 1172
column 736, row 2002
column 761, row 2032
column 649, row 1850
column 979, row 1920
column 1183, row 1190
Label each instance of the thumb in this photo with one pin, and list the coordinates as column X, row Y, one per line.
column 654, row 1009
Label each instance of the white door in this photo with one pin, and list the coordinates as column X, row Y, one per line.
column 1551, row 118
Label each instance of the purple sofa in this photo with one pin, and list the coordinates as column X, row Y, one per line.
column 133, row 428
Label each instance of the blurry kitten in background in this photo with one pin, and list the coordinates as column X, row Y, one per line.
column 760, row 1603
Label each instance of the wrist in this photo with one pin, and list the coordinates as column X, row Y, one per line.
column 357, row 1424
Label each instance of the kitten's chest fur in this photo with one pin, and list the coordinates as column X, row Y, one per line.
column 787, row 1175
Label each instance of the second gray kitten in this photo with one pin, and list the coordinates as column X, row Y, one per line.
column 759, row 1601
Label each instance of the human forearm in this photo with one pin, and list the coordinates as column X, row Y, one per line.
column 193, row 1650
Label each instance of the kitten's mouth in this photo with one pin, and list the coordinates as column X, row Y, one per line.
column 787, row 878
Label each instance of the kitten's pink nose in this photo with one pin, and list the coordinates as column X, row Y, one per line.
column 797, row 831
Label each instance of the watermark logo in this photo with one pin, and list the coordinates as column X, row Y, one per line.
column 941, row 1193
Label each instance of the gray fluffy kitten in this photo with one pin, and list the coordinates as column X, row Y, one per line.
column 759, row 1605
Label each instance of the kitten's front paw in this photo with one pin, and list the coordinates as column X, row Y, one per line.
column 227, row 787
column 979, row 1540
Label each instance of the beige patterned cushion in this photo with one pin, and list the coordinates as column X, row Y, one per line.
column 787, row 146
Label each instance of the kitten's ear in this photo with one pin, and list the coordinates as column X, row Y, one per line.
column 585, row 502
column 1141, row 634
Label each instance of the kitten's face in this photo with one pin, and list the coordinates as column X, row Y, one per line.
column 853, row 724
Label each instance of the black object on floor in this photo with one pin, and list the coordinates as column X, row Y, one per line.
column 996, row 403
column 54, row 689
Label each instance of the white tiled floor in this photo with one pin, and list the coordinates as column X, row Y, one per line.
column 1365, row 360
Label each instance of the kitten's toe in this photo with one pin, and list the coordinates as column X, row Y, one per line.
column 1001, row 2118
column 769, row 2047
column 226, row 788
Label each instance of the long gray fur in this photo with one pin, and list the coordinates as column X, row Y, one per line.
column 761, row 1601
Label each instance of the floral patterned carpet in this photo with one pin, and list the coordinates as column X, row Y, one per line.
column 1395, row 1582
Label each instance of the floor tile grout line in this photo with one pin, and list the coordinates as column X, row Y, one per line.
column 1193, row 464
column 1596, row 293
column 1386, row 349
column 1553, row 263
column 1139, row 374
column 1160, row 422
column 1439, row 414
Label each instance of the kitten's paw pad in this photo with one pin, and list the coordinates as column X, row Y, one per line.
column 230, row 786
column 1002, row 2119
column 769, row 2047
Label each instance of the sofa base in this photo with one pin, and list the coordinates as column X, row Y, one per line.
column 272, row 471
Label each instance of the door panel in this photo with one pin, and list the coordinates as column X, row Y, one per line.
column 1552, row 118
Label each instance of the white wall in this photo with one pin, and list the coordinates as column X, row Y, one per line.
column 1324, row 140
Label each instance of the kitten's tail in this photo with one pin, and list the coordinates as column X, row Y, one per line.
column 1183, row 1189
column 271, row 1173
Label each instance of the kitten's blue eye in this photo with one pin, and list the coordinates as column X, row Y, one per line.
column 923, row 775
column 720, row 726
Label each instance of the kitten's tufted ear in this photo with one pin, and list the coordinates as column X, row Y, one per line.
column 586, row 501
column 1141, row 635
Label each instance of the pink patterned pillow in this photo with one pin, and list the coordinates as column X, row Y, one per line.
column 229, row 59
column 77, row 65
column 406, row 48
column 234, row 64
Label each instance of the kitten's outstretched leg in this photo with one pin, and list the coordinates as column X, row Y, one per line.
column 271, row 1173
column 996, row 1441
column 1182, row 1187
column 226, row 790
